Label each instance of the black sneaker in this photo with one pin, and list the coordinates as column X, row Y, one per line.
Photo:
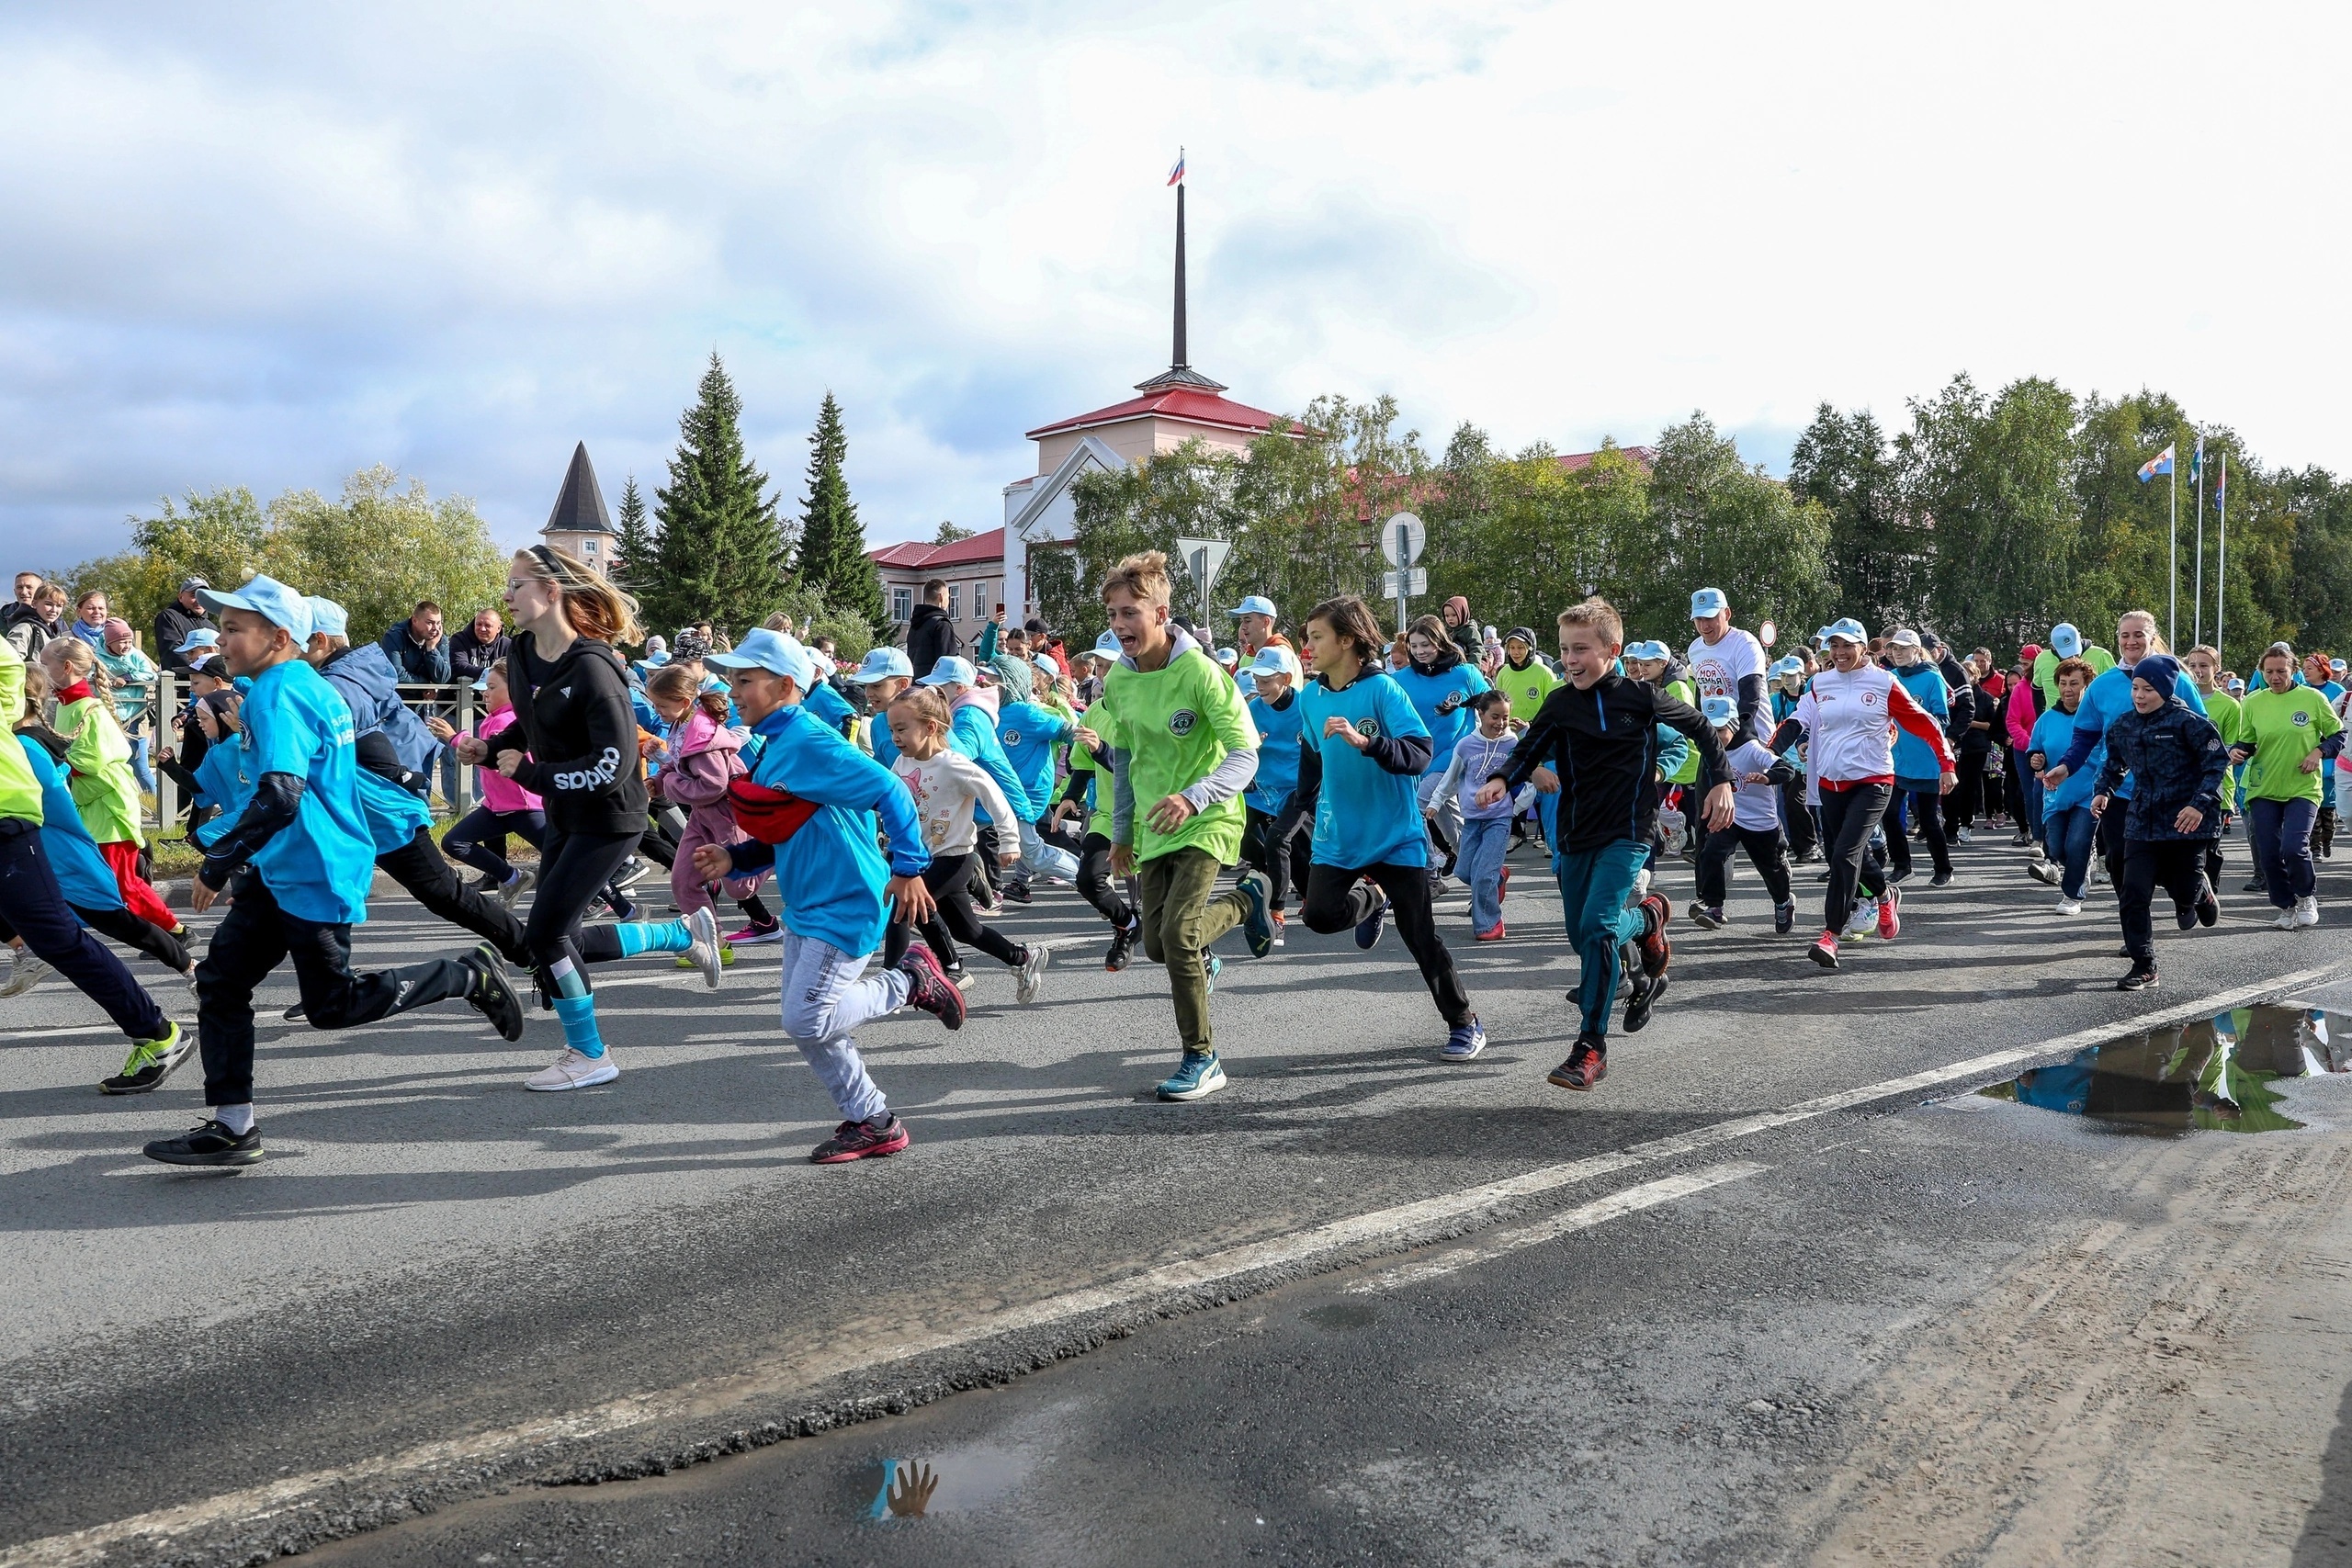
column 1588, row 1063
column 1941, row 879
column 1018, row 892
column 1641, row 992
column 2257, row 886
column 1784, row 919
column 1122, row 946
column 2142, row 977
column 151, row 1062
column 2207, row 907
column 491, row 994
column 210, row 1143
column 929, row 989
column 295, row 1013
column 1368, row 929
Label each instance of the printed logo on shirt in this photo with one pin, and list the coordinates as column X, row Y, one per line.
column 608, row 768
column 2302, row 718
column 1013, row 737
column 1368, row 728
column 1180, row 722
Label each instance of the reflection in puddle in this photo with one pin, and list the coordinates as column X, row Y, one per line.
column 959, row 1481
column 2212, row 1074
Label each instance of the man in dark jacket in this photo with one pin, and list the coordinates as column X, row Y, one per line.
column 175, row 621
column 481, row 645
column 931, row 635
column 417, row 649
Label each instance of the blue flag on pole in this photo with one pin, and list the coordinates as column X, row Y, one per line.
column 2159, row 463
column 2221, row 482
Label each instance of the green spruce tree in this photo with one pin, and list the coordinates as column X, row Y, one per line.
column 832, row 542
column 636, row 544
column 722, row 548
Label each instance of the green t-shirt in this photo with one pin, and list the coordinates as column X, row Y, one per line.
column 1177, row 724
column 1688, row 772
column 1100, row 719
column 2283, row 728
column 2045, row 673
column 1526, row 688
column 2222, row 709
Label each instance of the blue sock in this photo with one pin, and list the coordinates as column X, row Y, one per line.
column 652, row 936
column 578, row 1016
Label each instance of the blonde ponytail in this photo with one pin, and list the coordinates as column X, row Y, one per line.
column 592, row 606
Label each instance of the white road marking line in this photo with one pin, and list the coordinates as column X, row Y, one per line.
column 1601, row 1211
column 1382, row 1225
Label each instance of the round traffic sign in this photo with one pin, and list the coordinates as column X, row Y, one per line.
column 1402, row 538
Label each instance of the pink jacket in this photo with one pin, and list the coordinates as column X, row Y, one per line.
column 2021, row 715
column 499, row 792
column 703, row 758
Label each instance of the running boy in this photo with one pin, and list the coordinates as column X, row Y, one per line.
column 1189, row 749
column 1757, row 776
column 810, row 806
column 2178, row 762
column 1599, row 733
column 303, row 844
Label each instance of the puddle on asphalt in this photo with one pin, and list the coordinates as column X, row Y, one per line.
column 959, row 1481
column 2212, row 1074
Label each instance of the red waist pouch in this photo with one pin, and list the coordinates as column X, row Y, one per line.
column 771, row 816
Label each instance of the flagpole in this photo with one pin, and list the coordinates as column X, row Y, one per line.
column 2222, row 569
column 2172, row 601
column 2197, row 473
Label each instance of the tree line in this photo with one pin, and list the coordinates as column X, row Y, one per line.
column 716, row 543
column 1987, row 518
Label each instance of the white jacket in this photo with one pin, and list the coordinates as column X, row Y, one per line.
column 1849, row 720
column 946, row 788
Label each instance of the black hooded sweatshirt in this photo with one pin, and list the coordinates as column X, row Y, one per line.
column 575, row 719
column 931, row 637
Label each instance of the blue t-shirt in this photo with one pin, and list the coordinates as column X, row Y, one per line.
column 1029, row 733
column 1446, row 730
column 318, row 867
column 1278, row 732
column 221, row 781
column 83, row 875
column 1914, row 758
column 1364, row 815
column 393, row 815
column 2052, row 732
column 823, row 702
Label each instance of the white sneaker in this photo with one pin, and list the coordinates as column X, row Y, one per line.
column 572, row 1071
column 2069, row 906
column 2099, row 871
column 1641, row 889
column 1029, row 980
column 1863, row 921
column 25, row 972
column 2285, row 922
column 705, row 950
column 1967, row 837
column 524, row 880
column 2307, row 910
column 2047, row 872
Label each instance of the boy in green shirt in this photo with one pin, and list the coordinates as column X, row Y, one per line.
column 1186, row 745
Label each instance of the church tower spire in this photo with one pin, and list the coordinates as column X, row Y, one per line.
column 1180, row 371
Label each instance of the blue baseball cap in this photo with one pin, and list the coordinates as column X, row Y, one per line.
column 1275, row 659
column 2065, row 641
column 951, row 669
column 880, row 664
column 772, row 651
column 1107, row 645
column 202, row 636
column 1645, row 650
column 1708, row 601
column 1792, row 665
column 1719, row 710
column 330, row 617
column 1845, row 630
column 270, row 599
column 1044, row 661
column 1256, row 604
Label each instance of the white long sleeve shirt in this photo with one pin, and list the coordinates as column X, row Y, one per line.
column 1849, row 719
column 946, row 787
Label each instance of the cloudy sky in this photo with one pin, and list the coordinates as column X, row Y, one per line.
column 268, row 244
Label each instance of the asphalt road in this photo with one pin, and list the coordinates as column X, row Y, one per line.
column 1741, row 1304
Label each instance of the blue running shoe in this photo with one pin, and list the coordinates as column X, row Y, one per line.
column 1257, row 892
column 1465, row 1042
column 1368, row 929
column 1214, row 966
column 1200, row 1074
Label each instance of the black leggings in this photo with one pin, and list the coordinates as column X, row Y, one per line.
column 480, row 842
column 419, row 866
column 126, row 929
column 1848, row 817
column 957, row 920
column 1275, row 843
column 1098, row 886
column 1927, row 806
column 1337, row 899
column 2177, row 864
column 574, row 870
column 1765, row 851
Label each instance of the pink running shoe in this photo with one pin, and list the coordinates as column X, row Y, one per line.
column 751, row 936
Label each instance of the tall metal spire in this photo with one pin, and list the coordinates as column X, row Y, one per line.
column 1180, row 371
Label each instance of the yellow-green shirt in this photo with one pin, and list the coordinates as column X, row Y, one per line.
column 98, row 754
column 1177, row 724
column 2283, row 728
column 19, row 789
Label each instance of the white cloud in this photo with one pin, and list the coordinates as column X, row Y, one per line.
column 272, row 244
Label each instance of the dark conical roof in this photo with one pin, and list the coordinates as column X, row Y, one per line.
column 580, row 508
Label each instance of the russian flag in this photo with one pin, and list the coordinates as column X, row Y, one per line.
column 1176, row 175
column 2159, row 463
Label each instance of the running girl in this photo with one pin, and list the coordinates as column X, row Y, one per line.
column 1485, row 829
column 1365, row 752
column 99, row 762
column 700, row 760
column 1275, row 837
column 947, row 787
